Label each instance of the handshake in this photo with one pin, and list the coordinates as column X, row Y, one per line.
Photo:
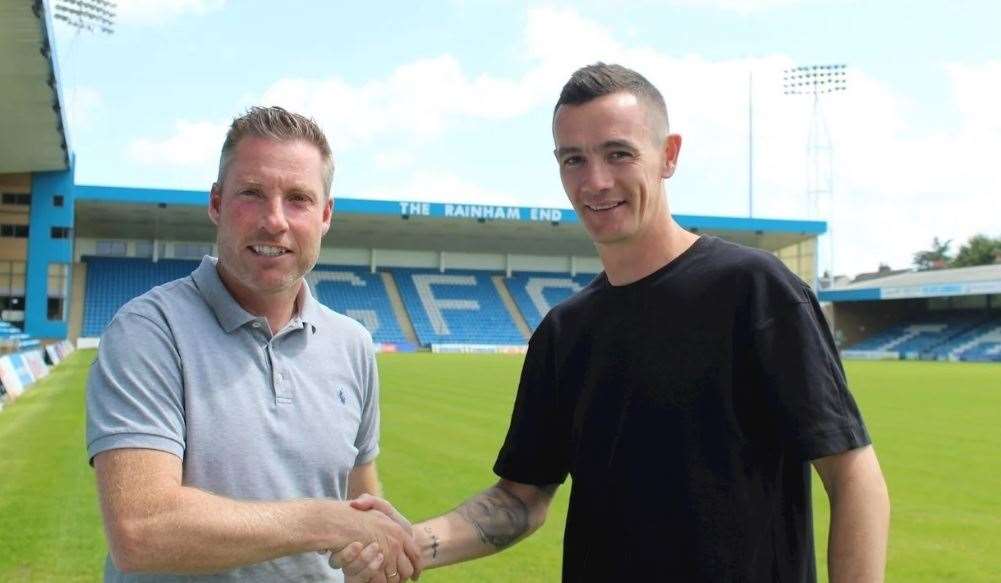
column 380, row 545
column 385, row 547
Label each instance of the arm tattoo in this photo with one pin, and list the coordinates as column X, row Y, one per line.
column 434, row 542
column 498, row 516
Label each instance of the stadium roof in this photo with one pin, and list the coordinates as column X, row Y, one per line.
column 979, row 280
column 128, row 213
column 31, row 115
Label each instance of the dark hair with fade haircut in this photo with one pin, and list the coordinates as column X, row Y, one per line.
column 280, row 125
column 601, row 79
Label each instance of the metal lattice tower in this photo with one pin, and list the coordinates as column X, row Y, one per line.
column 817, row 80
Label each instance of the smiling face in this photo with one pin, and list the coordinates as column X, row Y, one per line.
column 271, row 212
column 613, row 157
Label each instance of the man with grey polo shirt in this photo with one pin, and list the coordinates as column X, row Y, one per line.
column 230, row 414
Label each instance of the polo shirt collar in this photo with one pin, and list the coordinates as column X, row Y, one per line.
column 231, row 314
column 309, row 308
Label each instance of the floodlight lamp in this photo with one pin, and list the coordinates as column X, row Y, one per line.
column 89, row 15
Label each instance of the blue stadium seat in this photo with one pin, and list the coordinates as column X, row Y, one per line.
column 933, row 336
column 113, row 281
column 456, row 307
column 981, row 343
column 359, row 294
column 536, row 293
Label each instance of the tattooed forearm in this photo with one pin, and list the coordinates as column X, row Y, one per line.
column 498, row 516
column 434, row 542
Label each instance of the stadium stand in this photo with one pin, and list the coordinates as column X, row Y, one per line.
column 113, row 281
column 980, row 344
column 954, row 336
column 536, row 293
column 361, row 295
column 455, row 307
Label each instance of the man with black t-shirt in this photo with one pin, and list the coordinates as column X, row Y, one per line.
column 687, row 390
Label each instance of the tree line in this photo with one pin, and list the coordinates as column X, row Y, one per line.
column 978, row 250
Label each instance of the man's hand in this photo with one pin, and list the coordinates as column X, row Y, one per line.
column 370, row 502
column 362, row 565
column 369, row 562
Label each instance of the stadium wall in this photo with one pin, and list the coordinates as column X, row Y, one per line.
column 50, row 243
column 165, row 248
column 801, row 259
column 13, row 248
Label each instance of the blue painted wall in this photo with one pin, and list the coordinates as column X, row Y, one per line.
column 453, row 210
column 850, row 295
column 43, row 249
column 145, row 195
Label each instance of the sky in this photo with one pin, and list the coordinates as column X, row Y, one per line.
column 451, row 101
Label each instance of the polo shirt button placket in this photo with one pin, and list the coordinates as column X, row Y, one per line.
column 283, row 389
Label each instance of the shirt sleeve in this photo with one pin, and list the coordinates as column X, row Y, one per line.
column 367, row 440
column 537, row 448
column 135, row 393
column 805, row 382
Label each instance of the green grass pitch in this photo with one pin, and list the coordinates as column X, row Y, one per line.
column 937, row 429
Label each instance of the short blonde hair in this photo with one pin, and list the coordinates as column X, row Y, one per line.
column 278, row 124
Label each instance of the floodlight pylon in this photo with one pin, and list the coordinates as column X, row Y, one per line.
column 815, row 81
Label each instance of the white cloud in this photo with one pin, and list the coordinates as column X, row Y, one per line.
column 192, row 144
column 749, row 6
column 976, row 89
column 419, row 99
column 896, row 184
column 438, row 186
column 901, row 184
column 151, row 12
column 395, row 159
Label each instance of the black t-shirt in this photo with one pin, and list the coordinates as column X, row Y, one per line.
column 686, row 407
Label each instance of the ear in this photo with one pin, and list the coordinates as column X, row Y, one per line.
column 672, row 147
column 328, row 214
column 215, row 203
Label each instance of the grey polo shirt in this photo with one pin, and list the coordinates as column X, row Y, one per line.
column 253, row 415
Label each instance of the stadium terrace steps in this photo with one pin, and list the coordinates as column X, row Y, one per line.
column 398, row 305
column 980, row 343
column 359, row 294
column 511, row 307
column 536, row 293
column 961, row 336
column 353, row 291
column 401, row 312
column 455, row 307
column 113, row 281
column 913, row 332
